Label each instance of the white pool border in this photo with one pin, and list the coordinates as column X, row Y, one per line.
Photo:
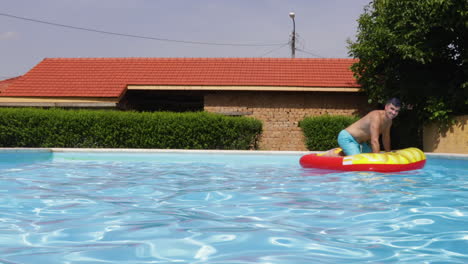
column 224, row 152
column 128, row 150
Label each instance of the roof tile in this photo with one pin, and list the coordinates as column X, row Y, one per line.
column 108, row 77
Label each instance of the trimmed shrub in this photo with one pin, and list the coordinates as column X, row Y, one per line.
column 321, row 132
column 31, row 127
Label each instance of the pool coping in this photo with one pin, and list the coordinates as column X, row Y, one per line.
column 244, row 152
column 129, row 150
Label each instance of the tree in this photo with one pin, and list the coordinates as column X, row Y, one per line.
column 417, row 51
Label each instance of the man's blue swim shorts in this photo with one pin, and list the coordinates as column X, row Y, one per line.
column 350, row 146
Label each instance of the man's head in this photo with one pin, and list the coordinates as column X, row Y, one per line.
column 394, row 101
column 392, row 108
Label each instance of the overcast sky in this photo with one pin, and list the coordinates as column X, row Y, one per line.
column 323, row 26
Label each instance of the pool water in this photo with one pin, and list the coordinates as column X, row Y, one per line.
column 226, row 208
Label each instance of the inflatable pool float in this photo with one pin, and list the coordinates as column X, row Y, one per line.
column 400, row 160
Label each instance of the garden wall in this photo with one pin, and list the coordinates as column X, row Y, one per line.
column 281, row 112
column 453, row 139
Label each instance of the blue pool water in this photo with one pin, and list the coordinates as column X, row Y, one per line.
column 226, row 208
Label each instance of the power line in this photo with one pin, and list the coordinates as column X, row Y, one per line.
column 303, row 48
column 137, row 36
column 311, row 53
column 275, row 49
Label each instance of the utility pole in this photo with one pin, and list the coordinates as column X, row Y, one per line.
column 292, row 15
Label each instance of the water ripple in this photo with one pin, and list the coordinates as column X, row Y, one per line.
column 100, row 211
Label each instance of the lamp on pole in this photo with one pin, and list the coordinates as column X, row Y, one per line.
column 292, row 15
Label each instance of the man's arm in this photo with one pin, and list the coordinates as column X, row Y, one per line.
column 374, row 133
column 386, row 139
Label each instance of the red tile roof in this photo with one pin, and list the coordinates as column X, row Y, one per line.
column 109, row 77
column 7, row 82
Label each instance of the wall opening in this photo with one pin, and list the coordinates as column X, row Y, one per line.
column 174, row 101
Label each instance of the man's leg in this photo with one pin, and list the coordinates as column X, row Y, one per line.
column 366, row 148
column 347, row 142
column 336, row 152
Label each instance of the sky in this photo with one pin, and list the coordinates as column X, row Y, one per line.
column 29, row 30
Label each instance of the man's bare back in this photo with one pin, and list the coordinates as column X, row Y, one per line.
column 368, row 128
column 361, row 129
column 374, row 124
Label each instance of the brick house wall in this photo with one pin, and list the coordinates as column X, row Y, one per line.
column 280, row 112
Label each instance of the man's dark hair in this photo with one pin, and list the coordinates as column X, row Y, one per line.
column 394, row 101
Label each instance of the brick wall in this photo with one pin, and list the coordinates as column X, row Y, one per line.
column 281, row 112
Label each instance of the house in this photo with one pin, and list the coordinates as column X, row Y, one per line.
column 278, row 91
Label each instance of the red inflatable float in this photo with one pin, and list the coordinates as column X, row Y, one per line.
column 400, row 160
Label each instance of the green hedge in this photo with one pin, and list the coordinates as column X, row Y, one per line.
column 321, row 132
column 31, row 127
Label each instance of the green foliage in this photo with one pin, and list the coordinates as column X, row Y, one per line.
column 321, row 132
column 417, row 51
column 28, row 127
column 438, row 108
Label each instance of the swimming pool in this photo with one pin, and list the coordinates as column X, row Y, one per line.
column 196, row 207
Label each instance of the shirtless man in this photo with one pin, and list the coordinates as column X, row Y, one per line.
column 378, row 122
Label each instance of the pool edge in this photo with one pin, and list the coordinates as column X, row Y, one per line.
column 247, row 152
column 127, row 150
